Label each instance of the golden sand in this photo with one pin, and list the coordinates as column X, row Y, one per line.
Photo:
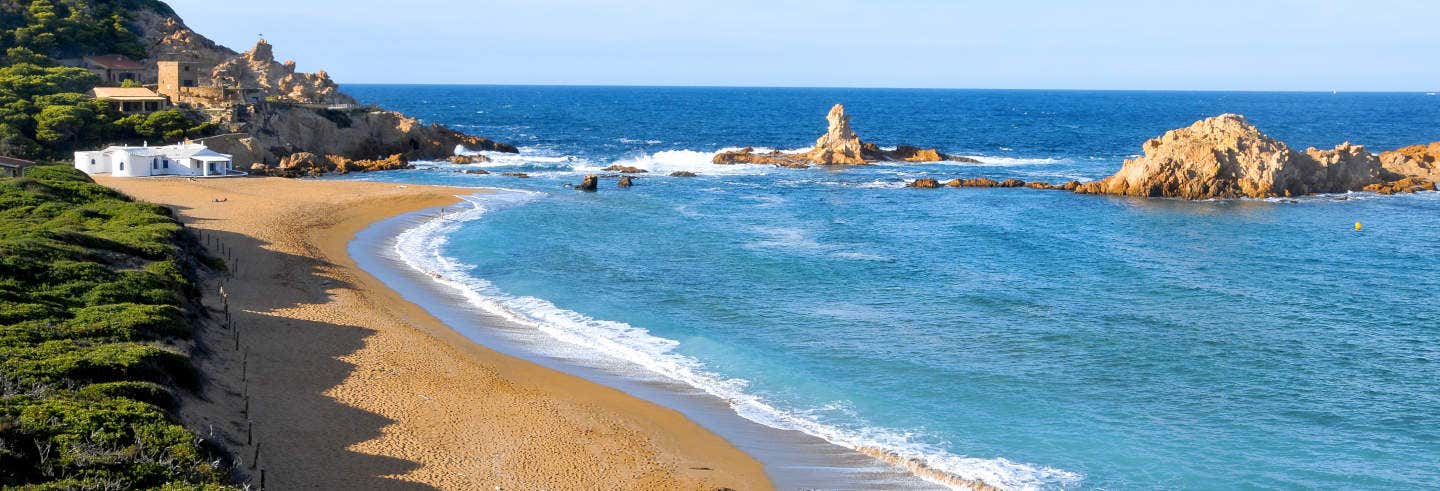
column 352, row 387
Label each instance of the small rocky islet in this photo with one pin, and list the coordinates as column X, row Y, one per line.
column 1227, row 157
column 838, row 146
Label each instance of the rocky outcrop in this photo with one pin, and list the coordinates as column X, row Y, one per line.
column 1405, row 185
column 626, row 181
column 1415, row 161
column 924, row 183
column 1227, row 157
column 257, row 69
column 838, row 146
column 683, row 173
column 624, row 169
column 295, row 112
column 357, row 134
column 468, row 159
column 590, row 183
column 303, row 164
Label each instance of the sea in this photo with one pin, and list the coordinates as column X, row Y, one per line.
column 1031, row 339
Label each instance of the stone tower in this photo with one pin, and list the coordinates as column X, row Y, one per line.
column 173, row 75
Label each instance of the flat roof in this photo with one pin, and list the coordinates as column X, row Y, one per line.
column 126, row 93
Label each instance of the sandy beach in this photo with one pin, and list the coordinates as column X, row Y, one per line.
column 351, row 387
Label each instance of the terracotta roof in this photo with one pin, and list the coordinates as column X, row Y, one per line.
column 125, row 93
column 115, row 62
column 14, row 162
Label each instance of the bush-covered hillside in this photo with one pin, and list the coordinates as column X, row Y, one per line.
column 92, row 287
column 45, row 111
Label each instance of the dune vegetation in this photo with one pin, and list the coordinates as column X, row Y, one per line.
column 97, row 302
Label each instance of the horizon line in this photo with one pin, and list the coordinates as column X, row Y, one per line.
column 869, row 87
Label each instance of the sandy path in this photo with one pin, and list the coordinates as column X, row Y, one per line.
column 351, row 387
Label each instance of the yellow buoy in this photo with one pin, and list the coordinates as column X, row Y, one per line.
column 1357, row 226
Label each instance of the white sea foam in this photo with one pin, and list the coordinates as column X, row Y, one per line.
column 668, row 161
column 421, row 248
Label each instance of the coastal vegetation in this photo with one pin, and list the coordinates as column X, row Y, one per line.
column 94, row 289
column 45, row 108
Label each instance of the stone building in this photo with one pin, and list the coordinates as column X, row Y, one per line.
column 114, row 69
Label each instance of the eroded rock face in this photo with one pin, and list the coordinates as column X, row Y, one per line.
column 302, row 164
column 357, row 134
column 258, row 69
column 1227, row 157
column 626, row 181
column 1415, row 161
column 838, row 146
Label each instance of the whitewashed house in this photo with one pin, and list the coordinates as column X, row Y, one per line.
column 184, row 159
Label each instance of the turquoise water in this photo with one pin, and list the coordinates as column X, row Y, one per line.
column 1033, row 339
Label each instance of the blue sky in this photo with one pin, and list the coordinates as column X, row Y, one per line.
column 1323, row 45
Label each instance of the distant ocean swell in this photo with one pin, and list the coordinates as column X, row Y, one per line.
column 422, row 248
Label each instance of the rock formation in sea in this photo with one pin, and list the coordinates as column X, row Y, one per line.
column 626, row 181
column 838, row 146
column 270, row 110
column 468, row 159
column 625, row 169
column 1414, row 161
column 683, row 173
column 590, row 183
column 1227, row 157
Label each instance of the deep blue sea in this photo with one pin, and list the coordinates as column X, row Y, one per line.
column 1032, row 339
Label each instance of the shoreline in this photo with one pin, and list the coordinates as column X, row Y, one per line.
column 354, row 386
column 792, row 459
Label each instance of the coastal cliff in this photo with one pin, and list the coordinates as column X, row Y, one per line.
column 838, row 146
column 271, row 110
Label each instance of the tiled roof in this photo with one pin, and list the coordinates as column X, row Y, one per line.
column 115, row 62
column 14, row 162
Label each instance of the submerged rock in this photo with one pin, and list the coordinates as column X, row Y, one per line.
column 521, row 175
column 625, row 168
column 838, row 146
column 591, row 183
column 475, row 171
column 1227, row 157
column 683, row 173
column 468, row 159
column 1406, row 185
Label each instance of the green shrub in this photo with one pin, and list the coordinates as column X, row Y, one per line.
column 92, row 286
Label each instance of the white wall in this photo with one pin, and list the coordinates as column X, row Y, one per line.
column 100, row 165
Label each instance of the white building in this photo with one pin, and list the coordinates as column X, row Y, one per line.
column 185, row 159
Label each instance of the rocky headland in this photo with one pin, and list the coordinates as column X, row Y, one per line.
column 271, row 111
column 1227, row 157
column 838, row 146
